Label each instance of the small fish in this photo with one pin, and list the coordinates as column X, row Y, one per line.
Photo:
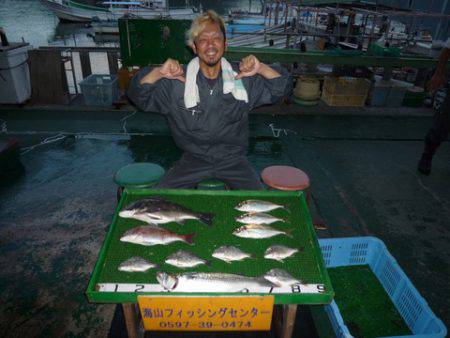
column 279, row 252
column 280, row 278
column 258, row 218
column 152, row 235
column 136, row 264
column 259, row 231
column 184, row 259
column 210, row 282
column 158, row 210
column 258, row 206
column 230, row 253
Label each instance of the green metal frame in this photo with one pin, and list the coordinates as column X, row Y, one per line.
column 142, row 42
column 288, row 56
column 310, row 243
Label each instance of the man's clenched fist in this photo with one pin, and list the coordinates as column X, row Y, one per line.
column 172, row 70
column 249, row 66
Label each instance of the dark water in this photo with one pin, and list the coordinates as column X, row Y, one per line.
column 32, row 21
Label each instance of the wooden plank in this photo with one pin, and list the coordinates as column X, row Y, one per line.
column 112, row 63
column 277, row 319
column 131, row 321
column 289, row 313
column 38, row 75
column 61, row 86
column 85, row 64
column 48, row 77
column 32, row 60
column 54, row 61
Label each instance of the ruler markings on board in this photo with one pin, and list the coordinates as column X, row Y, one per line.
column 129, row 287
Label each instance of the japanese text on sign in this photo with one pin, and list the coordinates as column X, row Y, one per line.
column 204, row 313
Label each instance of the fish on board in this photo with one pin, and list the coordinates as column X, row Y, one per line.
column 258, row 218
column 258, row 206
column 210, row 282
column 230, row 254
column 149, row 235
column 279, row 252
column 281, row 278
column 184, row 259
column 158, row 210
column 136, row 264
column 259, row 231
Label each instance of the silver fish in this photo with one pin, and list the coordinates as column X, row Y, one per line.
column 258, row 206
column 280, row 278
column 152, row 235
column 279, row 252
column 230, row 253
column 258, row 218
column 258, row 231
column 184, row 259
column 158, row 210
column 136, row 264
column 210, row 282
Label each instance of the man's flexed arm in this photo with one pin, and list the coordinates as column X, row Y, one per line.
column 265, row 84
column 171, row 69
column 150, row 94
column 250, row 66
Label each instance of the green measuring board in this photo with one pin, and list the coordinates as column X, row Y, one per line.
column 144, row 42
column 108, row 284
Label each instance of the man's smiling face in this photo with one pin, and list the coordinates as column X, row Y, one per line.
column 210, row 44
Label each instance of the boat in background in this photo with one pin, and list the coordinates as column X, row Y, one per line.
column 233, row 29
column 68, row 10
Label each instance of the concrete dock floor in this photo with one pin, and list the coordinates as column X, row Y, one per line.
column 55, row 213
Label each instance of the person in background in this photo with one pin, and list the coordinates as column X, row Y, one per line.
column 441, row 126
column 207, row 106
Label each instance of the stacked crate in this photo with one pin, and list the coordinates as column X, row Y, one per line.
column 345, row 91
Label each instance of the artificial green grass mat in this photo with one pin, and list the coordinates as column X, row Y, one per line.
column 364, row 305
column 303, row 265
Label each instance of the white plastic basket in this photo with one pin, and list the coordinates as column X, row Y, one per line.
column 100, row 90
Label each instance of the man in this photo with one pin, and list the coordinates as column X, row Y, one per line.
column 207, row 110
column 441, row 126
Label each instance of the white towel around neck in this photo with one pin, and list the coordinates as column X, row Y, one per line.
column 230, row 84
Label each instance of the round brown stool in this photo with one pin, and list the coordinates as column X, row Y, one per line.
column 283, row 177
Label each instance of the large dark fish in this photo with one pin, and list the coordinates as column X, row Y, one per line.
column 158, row 210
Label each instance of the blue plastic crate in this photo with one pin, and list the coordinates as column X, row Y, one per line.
column 100, row 90
column 372, row 251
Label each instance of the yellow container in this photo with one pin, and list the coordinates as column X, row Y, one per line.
column 307, row 88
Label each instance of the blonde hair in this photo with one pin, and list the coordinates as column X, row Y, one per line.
column 199, row 24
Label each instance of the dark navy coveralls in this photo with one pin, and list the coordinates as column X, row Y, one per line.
column 214, row 134
column 441, row 126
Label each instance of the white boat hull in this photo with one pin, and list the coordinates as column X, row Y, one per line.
column 68, row 13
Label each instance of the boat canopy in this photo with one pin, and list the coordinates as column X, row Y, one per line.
column 121, row 3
